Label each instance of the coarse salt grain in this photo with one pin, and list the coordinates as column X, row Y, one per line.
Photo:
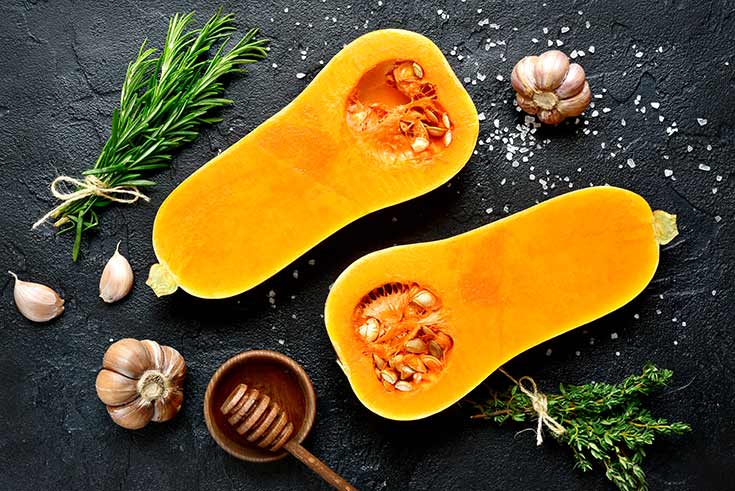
column 704, row 167
column 701, row 121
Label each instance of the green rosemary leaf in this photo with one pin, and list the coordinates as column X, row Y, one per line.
column 603, row 423
column 165, row 99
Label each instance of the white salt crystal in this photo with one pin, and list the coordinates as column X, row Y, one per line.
column 564, row 29
column 655, row 105
column 701, row 121
column 614, row 335
column 300, row 75
column 481, row 116
column 668, row 172
column 631, row 163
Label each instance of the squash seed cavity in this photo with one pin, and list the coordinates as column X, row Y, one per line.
column 395, row 106
column 405, row 335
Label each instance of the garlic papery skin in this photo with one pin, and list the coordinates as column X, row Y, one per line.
column 117, row 278
column 37, row 302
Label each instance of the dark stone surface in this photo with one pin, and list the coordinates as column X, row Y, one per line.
column 61, row 67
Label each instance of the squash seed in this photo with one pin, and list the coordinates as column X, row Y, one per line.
column 378, row 361
column 447, row 138
column 444, row 341
column 404, row 386
column 445, row 120
column 417, row 377
column 418, row 71
column 436, row 350
column 415, row 345
column 406, row 372
column 369, row 330
column 425, row 298
column 435, row 131
column 420, row 144
column 415, row 363
column 389, row 376
column 432, row 363
column 432, row 117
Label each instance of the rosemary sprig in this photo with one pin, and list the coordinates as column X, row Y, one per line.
column 163, row 102
column 602, row 423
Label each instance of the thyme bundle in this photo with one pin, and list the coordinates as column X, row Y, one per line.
column 603, row 423
column 164, row 101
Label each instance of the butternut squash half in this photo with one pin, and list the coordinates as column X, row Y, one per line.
column 416, row 327
column 386, row 120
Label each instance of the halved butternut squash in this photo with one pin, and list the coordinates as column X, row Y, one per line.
column 385, row 121
column 416, row 327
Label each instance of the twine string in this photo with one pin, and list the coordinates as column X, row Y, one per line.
column 90, row 186
column 539, row 403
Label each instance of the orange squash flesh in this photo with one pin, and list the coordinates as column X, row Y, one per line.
column 305, row 173
column 504, row 288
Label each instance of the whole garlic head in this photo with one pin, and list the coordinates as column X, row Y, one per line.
column 140, row 382
column 551, row 88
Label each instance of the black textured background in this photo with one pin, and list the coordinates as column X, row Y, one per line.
column 61, row 66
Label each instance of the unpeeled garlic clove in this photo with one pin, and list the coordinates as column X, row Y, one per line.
column 127, row 357
column 35, row 301
column 117, row 278
column 115, row 389
column 133, row 415
column 550, row 70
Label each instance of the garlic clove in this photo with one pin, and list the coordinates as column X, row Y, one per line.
column 523, row 78
column 573, row 82
column 127, row 357
column 114, row 389
column 117, row 278
column 550, row 70
column 574, row 106
column 168, row 406
column 35, row 301
column 552, row 116
column 174, row 366
column 133, row 415
column 155, row 353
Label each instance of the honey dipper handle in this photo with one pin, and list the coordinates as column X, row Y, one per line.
column 318, row 466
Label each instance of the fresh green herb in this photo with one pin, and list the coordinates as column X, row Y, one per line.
column 601, row 422
column 164, row 101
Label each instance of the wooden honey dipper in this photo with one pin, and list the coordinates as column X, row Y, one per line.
column 253, row 414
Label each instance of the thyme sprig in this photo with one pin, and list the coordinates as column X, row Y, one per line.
column 603, row 423
column 163, row 102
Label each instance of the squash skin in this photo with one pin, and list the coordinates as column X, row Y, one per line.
column 302, row 175
column 505, row 287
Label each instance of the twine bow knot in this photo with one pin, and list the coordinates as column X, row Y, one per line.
column 539, row 404
column 90, row 186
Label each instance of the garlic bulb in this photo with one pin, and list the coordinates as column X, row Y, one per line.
column 35, row 301
column 117, row 278
column 549, row 87
column 140, row 382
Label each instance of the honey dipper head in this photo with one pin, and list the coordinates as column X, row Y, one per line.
column 254, row 415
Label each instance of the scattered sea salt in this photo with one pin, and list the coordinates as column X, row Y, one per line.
column 668, row 172
column 655, row 105
column 704, row 167
column 701, row 121
column 614, row 335
column 300, row 75
column 481, row 116
column 631, row 163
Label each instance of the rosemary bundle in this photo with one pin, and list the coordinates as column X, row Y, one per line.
column 164, row 101
column 600, row 422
